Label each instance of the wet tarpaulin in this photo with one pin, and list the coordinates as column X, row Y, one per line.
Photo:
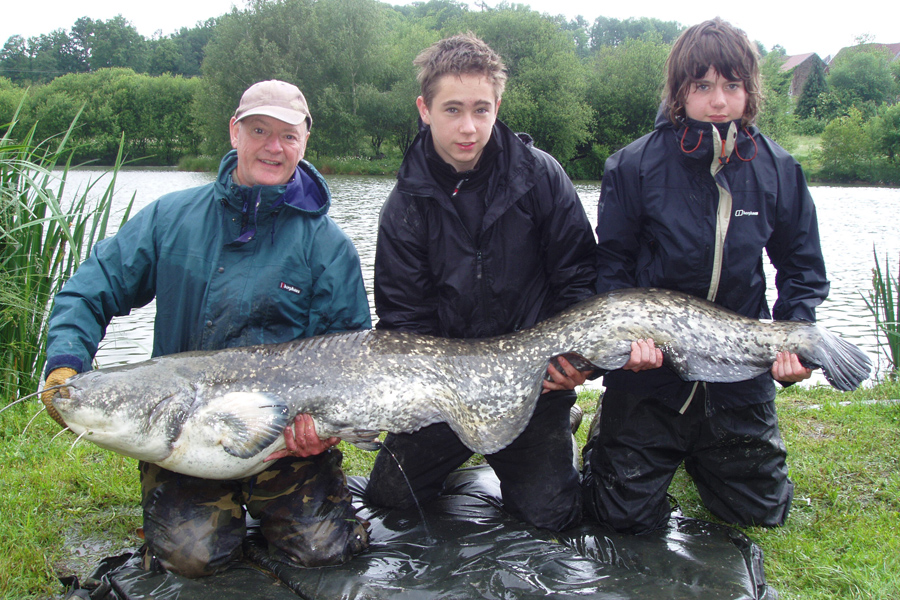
column 468, row 547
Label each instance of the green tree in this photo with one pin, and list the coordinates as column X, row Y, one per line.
column 815, row 85
column 579, row 30
column 12, row 98
column 387, row 109
column 192, row 45
column 114, row 43
column 266, row 41
column 847, row 149
column 165, row 57
column 437, row 15
column 351, row 37
column 546, row 89
column 776, row 118
column 624, row 86
column 153, row 114
column 343, row 54
column 608, row 31
column 863, row 79
column 886, row 133
column 15, row 64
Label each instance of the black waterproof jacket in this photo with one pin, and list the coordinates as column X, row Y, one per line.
column 533, row 257
column 691, row 209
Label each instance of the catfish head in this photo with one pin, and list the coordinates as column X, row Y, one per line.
column 124, row 410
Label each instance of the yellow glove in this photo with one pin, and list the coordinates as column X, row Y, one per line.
column 56, row 377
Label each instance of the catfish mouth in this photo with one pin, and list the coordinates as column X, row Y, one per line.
column 54, row 414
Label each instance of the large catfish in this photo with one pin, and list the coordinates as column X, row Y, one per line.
column 218, row 414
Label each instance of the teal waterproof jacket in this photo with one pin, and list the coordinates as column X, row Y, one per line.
column 229, row 266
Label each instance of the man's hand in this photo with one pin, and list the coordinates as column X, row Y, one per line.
column 301, row 440
column 567, row 380
column 644, row 355
column 54, row 378
column 787, row 368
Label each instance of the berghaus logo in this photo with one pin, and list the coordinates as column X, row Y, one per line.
column 289, row 288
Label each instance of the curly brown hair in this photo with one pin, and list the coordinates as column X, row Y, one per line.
column 718, row 44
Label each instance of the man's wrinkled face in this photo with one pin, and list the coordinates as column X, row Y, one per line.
column 461, row 115
column 268, row 149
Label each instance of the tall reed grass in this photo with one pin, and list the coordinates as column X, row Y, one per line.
column 884, row 304
column 44, row 236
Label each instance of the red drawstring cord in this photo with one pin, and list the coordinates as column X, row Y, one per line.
column 695, row 147
column 722, row 159
column 755, row 148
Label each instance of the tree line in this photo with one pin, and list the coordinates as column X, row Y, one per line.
column 582, row 90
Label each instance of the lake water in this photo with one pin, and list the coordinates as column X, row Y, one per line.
column 852, row 221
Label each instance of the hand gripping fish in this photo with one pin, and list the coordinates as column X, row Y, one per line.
column 218, row 414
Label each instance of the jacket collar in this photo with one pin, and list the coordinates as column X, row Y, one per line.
column 513, row 167
column 705, row 142
column 306, row 192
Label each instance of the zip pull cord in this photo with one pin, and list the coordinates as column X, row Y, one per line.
column 458, row 186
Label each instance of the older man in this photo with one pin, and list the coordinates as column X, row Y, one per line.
column 251, row 258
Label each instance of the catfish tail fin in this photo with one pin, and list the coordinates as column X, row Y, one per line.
column 844, row 365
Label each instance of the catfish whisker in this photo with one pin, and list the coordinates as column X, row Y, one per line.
column 78, row 439
column 32, row 395
column 43, row 408
column 14, row 402
column 59, row 434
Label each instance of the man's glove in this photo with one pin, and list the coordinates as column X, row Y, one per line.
column 54, row 378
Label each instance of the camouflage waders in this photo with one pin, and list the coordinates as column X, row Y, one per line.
column 195, row 527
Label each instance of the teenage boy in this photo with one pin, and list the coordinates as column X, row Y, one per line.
column 691, row 207
column 483, row 234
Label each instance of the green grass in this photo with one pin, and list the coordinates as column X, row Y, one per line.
column 842, row 539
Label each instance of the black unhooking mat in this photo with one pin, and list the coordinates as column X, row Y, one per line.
column 468, row 547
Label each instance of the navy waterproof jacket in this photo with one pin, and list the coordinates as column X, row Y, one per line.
column 533, row 256
column 691, row 209
column 229, row 265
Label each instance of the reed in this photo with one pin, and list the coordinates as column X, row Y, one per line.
column 884, row 304
column 44, row 236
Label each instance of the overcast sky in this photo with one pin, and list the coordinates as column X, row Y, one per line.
column 798, row 26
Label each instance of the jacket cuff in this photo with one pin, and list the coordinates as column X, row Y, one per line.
column 63, row 360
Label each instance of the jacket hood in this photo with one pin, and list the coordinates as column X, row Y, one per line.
column 306, row 192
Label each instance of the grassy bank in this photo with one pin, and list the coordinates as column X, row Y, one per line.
column 65, row 508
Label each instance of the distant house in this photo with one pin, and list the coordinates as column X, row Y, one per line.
column 800, row 66
column 892, row 49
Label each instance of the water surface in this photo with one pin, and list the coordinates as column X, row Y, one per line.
column 852, row 221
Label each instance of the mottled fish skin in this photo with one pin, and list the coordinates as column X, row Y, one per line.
column 218, row 414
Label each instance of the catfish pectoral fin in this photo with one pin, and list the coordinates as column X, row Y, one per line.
column 368, row 445
column 247, row 422
column 576, row 360
column 362, row 439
